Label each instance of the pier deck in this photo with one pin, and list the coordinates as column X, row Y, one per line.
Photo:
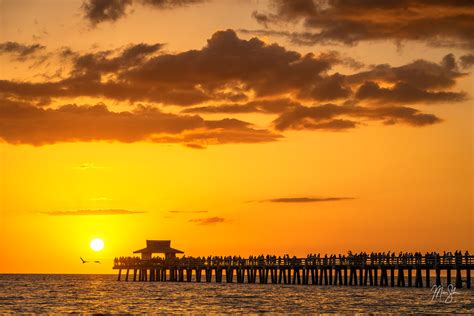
column 396, row 271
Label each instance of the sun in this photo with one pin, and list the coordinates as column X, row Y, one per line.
column 97, row 244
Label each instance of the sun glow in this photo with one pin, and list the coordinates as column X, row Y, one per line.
column 97, row 244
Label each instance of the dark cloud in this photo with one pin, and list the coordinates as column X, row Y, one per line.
column 294, row 37
column 229, row 75
column 98, row 11
column 261, row 18
column 170, row 4
column 331, row 88
column 92, row 212
column 420, row 74
column 404, row 93
column 104, row 62
column 467, row 60
column 449, row 62
column 91, row 86
column 195, row 146
column 25, row 124
column 307, row 199
column 441, row 22
column 208, row 220
column 228, row 62
column 20, row 51
column 333, row 117
column 229, row 69
column 297, row 38
column 262, row 106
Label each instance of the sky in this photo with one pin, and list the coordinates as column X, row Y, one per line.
column 234, row 127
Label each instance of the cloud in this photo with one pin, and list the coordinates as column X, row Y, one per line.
column 98, row 11
column 20, row 51
column 334, row 117
column 307, row 199
column 228, row 63
column 262, row 106
column 404, row 93
column 170, row 4
column 26, row 124
column 261, row 18
column 190, row 77
column 227, row 68
column 420, row 74
column 103, row 62
column 467, row 60
column 233, row 75
column 188, row 212
column 228, row 76
column 208, row 220
column 440, row 22
column 92, row 212
column 195, row 146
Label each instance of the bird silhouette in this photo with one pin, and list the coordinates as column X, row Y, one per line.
column 86, row 261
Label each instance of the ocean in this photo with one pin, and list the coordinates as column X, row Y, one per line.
column 101, row 294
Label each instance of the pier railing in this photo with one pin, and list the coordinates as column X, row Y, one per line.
column 344, row 270
column 301, row 262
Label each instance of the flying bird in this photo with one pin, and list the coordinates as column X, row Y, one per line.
column 85, row 261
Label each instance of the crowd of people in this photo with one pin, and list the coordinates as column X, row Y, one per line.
column 312, row 259
column 391, row 258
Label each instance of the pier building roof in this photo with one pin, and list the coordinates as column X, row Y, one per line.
column 158, row 246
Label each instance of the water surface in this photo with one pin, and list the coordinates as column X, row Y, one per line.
column 103, row 294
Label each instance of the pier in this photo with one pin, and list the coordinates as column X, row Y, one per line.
column 341, row 270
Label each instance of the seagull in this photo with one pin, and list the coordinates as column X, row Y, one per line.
column 84, row 261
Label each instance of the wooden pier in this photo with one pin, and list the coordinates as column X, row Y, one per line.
column 394, row 271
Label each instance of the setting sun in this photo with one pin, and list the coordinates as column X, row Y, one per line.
column 97, row 244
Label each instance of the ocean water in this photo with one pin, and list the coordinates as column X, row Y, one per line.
column 103, row 294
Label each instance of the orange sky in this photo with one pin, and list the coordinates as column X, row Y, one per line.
column 402, row 152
